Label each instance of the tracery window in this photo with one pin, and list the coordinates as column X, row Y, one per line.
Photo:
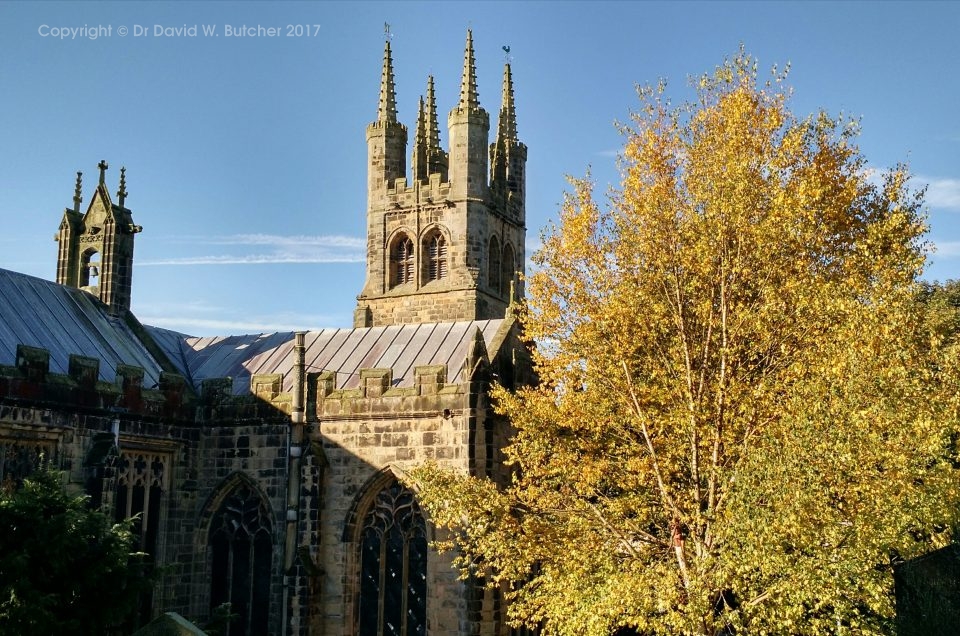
column 508, row 269
column 436, row 257
column 393, row 566
column 401, row 261
column 141, row 482
column 19, row 460
column 242, row 548
column 493, row 265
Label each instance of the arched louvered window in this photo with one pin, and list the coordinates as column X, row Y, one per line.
column 436, row 257
column 508, row 270
column 401, row 261
column 493, row 265
column 393, row 566
column 241, row 544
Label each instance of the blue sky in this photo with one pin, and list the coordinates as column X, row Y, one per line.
column 246, row 157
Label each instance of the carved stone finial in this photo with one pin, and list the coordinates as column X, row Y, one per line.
column 122, row 192
column 103, row 171
column 78, row 192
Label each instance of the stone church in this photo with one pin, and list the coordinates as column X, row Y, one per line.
column 265, row 470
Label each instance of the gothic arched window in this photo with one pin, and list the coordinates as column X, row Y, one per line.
column 436, row 256
column 142, row 479
column 241, row 543
column 508, row 269
column 401, row 261
column 493, row 265
column 393, row 566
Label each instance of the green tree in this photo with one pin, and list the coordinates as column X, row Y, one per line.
column 744, row 413
column 64, row 569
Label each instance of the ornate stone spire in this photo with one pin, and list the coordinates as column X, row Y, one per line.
column 420, row 145
column 507, row 129
column 387, row 108
column 430, row 119
column 469, row 100
column 122, row 192
column 78, row 193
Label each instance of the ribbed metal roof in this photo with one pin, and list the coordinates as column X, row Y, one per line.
column 345, row 351
column 64, row 321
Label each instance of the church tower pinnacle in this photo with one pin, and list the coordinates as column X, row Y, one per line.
column 386, row 137
column 448, row 244
column 508, row 156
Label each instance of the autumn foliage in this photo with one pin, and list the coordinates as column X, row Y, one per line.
column 744, row 415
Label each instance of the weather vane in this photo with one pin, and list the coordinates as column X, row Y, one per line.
column 386, row 30
column 506, row 54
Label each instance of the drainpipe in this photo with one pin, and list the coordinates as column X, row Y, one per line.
column 294, row 452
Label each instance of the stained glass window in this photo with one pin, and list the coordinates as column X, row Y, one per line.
column 242, row 550
column 393, row 566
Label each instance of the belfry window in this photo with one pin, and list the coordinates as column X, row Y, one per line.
column 401, row 261
column 507, row 270
column 436, row 257
column 493, row 265
column 393, row 566
column 242, row 551
column 90, row 269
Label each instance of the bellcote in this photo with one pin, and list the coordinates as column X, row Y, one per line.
column 95, row 251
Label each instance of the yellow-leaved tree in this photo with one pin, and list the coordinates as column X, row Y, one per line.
column 744, row 416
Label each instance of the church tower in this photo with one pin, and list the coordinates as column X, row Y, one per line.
column 447, row 243
column 96, row 247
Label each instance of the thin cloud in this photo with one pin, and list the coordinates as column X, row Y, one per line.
column 254, row 259
column 287, row 250
column 328, row 240
column 942, row 193
column 287, row 241
column 208, row 326
column 946, row 249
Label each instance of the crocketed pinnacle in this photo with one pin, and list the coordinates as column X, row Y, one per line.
column 432, row 129
column 507, row 128
column 420, row 135
column 78, row 192
column 387, row 107
column 468, row 81
column 122, row 192
column 420, row 145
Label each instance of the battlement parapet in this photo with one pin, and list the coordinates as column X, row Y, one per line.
column 406, row 195
column 376, row 394
column 219, row 405
column 30, row 381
